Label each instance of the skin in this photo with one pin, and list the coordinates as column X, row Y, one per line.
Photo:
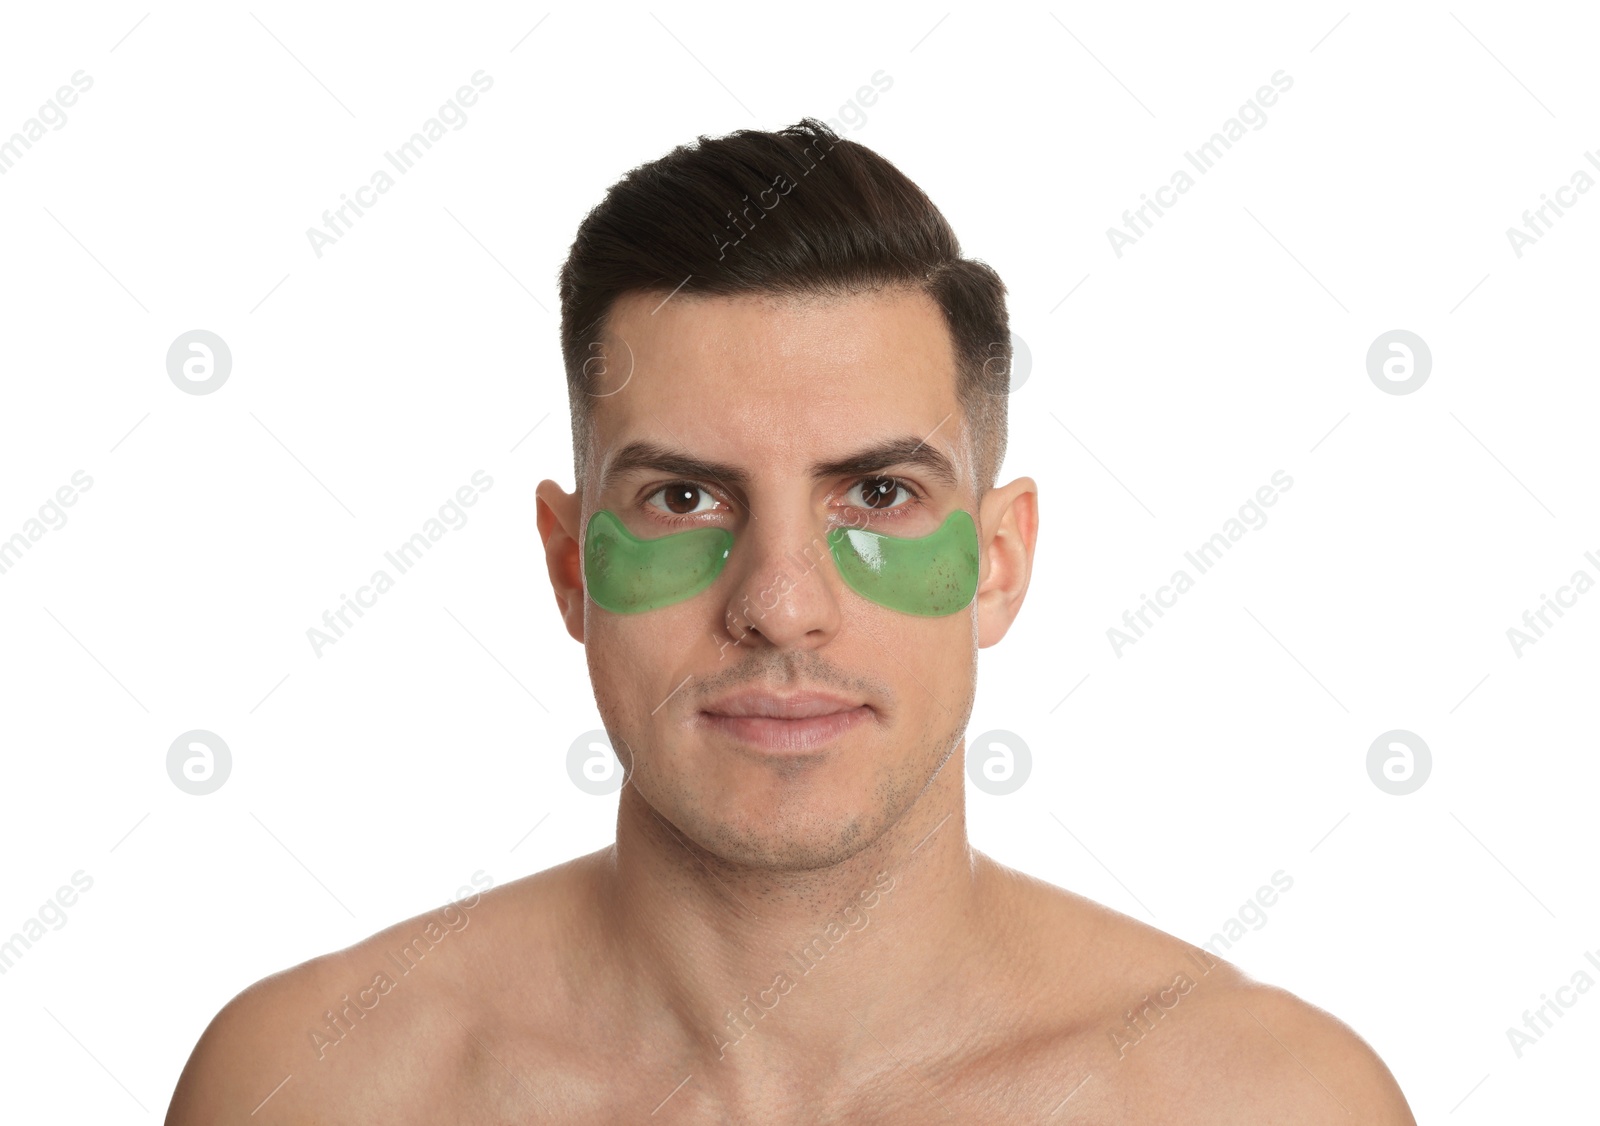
column 948, row 987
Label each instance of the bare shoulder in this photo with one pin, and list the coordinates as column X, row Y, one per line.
column 253, row 1047
column 388, row 1028
column 1304, row 1063
column 1162, row 1029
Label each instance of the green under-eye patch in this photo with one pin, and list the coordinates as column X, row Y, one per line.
column 932, row 575
column 628, row 575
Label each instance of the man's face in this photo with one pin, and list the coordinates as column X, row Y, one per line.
column 786, row 403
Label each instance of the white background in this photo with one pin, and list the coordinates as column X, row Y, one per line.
column 369, row 384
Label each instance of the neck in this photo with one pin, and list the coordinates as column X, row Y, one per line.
column 794, row 973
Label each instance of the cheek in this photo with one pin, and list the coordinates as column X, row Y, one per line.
column 938, row 687
column 637, row 660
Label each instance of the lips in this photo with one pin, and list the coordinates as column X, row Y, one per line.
column 802, row 723
column 801, row 705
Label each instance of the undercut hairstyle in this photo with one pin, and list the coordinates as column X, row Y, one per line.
column 798, row 212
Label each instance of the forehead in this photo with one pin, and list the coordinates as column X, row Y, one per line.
column 785, row 380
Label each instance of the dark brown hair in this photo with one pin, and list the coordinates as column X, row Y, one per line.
column 796, row 212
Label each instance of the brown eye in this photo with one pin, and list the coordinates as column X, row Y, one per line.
column 879, row 492
column 682, row 498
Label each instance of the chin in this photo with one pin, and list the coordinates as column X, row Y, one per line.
column 797, row 836
column 805, row 814
column 815, row 843
column 780, row 852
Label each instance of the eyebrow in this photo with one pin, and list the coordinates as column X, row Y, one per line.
column 875, row 458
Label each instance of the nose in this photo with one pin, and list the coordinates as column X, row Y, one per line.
column 786, row 589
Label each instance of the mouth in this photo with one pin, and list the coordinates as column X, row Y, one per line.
column 806, row 723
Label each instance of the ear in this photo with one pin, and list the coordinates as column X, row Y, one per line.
column 557, row 513
column 1009, row 523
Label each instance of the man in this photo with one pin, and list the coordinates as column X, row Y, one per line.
column 785, row 547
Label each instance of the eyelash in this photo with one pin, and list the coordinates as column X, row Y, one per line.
column 879, row 515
